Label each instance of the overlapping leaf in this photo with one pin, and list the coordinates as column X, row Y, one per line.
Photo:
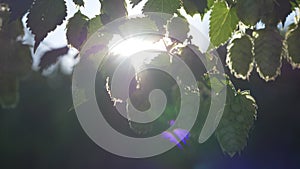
column 240, row 56
column 94, row 24
column 268, row 53
column 237, row 120
column 112, row 9
column 293, row 47
column 44, row 17
column 178, row 29
column 77, row 29
column 163, row 6
column 195, row 6
column 51, row 57
column 223, row 21
column 248, row 11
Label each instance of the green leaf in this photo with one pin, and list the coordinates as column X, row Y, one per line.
column 134, row 2
column 240, row 56
column 223, row 21
column 44, row 17
column 268, row 53
column 248, row 11
column 195, row 6
column 178, row 29
column 112, row 9
column 79, row 2
column 93, row 25
column 237, row 120
column 293, row 47
column 163, row 6
column 77, row 28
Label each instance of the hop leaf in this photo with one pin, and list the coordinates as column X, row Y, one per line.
column 195, row 6
column 268, row 53
column 237, row 120
column 77, row 28
column 44, row 17
column 112, row 9
column 163, row 6
column 248, row 11
column 94, row 24
column 240, row 56
column 51, row 57
column 223, row 21
column 178, row 29
column 293, row 47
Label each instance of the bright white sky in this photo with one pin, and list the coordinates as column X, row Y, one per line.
column 57, row 38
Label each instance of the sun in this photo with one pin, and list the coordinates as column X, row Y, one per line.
column 131, row 46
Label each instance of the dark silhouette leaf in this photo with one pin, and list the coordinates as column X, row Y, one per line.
column 112, row 9
column 77, row 29
column 44, row 17
column 195, row 6
column 135, row 2
column 51, row 57
column 79, row 2
column 248, row 11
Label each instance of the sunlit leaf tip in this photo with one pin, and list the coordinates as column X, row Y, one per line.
column 240, row 58
column 268, row 50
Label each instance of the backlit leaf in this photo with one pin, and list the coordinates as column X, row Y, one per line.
column 44, row 17
column 195, row 6
column 237, row 120
column 223, row 21
column 268, row 53
column 248, row 11
column 94, row 24
column 178, row 29
column 77, row 28
column 240, row 56
column 293, row 47
column 163, row 6
column 112, row 9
